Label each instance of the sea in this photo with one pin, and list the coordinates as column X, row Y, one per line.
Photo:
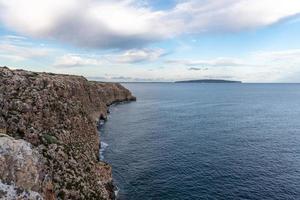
column 187, row 141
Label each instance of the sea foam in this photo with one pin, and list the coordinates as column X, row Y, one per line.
column 102, row 149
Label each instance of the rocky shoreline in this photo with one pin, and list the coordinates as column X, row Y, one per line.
column 49, row 144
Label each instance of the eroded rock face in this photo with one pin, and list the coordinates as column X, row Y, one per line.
column 56, row 114
column 20, row 164
column 20, row 170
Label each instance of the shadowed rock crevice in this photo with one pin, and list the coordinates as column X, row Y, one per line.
column 56, row 115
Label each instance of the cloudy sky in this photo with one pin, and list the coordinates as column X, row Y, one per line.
column 154, row 40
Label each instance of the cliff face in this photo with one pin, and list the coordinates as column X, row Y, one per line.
column 54, row 116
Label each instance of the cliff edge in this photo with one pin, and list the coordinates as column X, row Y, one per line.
column 49, row 144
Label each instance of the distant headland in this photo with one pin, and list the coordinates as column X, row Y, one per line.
column 208, row 81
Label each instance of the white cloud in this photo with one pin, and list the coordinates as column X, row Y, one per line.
column 256, row 59
column 291, row 55
column 130, row 24
column 262, row 66
column 70, row 60
column 15, row 49
column 127, row 57
column 233, row 15
column 218, row 62
column 89, row 23
column 138, row 55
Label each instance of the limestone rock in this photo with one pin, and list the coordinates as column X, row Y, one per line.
column 20, row 170
column 11, row 192
column 56, row 114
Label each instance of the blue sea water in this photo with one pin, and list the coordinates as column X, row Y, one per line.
column 206, row 141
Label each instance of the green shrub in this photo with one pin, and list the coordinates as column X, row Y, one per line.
column 49, row 139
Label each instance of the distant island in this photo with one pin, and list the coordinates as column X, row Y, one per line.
column 208, row 81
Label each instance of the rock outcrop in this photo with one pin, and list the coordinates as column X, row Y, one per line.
column 22, row 166
column 48, row 138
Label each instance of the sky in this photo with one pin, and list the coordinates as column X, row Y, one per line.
column 154, row 40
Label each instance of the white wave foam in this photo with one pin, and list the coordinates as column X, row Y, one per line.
column 101, row 123
column 116, row 191
column 102, row 149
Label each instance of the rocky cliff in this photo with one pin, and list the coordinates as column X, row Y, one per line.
column 49, row 145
